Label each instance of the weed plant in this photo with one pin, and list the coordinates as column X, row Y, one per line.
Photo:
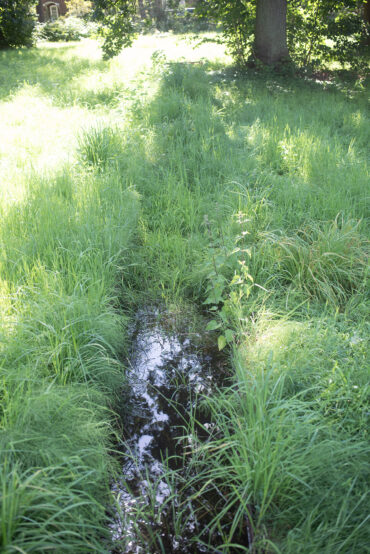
column 182, row 181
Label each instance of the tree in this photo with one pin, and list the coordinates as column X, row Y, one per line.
column 17, row 22
column 118, row 29
column 270, row 42
column 251, row 27
column 142, row 9
column 269, row 30
column 158, row 10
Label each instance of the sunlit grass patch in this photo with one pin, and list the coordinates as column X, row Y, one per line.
column 36, row 134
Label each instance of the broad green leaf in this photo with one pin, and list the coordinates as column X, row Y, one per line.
column 223, row 316
column 221, row 342
column 212, row 325
column 229, row 335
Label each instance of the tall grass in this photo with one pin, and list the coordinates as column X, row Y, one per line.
column 289, row 456
column 151, row 178
column 64, row 239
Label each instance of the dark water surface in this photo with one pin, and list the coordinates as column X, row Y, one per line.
column 169, row 369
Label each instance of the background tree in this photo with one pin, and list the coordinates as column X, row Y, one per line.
column 320, row 31
column 142, row 9
column 268, row 29
column 17, row 22
column 271, row 31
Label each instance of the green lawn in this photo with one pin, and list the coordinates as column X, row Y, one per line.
column 164, row 175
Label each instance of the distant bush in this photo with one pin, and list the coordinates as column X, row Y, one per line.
column 17, row 23
column 79, row 8
column 66, row 29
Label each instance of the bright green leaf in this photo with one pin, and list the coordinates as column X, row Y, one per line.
column 212, row 325
column 229, row 335
column 221, row 342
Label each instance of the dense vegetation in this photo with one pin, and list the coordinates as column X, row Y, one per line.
column 17, row 22
column 153, row 178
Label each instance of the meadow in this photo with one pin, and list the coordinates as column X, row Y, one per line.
column 166, row 176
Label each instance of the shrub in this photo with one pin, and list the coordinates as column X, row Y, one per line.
column 66, row 29
column 17, row 23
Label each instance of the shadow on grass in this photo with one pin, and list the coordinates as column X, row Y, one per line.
column 211, row 136
column 207, row 132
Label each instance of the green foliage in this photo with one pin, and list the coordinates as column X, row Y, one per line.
column 240, row 184
column 118, row 29
column 237, row 19
column 79, row 8
column 50, row 508
column 66, row 29
column 272, row 457
column 63, row 249
column 326, row 261
column 59, row 365
column 317, row 31
column 187, row 22
column 99, row 146
column 17, row 22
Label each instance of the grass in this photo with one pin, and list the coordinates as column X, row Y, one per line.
column 165, row 175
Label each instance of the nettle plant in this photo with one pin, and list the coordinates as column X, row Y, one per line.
column 229, row 281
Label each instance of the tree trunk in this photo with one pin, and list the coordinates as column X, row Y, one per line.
column 158, row 11
column 367, row 11
column 366, row 16
column 270, row 44
column 142, row 9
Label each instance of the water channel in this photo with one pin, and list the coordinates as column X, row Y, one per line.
column 169, row 369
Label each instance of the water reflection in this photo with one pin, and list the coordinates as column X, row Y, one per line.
column 167, row 372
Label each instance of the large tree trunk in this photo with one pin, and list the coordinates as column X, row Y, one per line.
column 270, row 44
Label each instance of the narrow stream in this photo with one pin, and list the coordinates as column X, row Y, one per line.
column 168, row 370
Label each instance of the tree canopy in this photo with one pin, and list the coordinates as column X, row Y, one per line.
column 309, row 32
column 118, row 29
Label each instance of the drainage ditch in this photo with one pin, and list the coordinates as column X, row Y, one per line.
column 169, row 370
